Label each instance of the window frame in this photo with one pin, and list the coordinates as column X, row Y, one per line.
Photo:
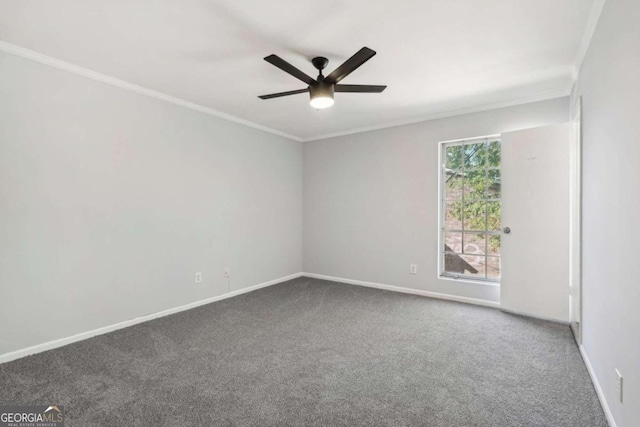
column 442, row 274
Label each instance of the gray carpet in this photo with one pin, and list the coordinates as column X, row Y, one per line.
column 311, row 352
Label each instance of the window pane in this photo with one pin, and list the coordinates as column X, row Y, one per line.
column 452, row 242
column 493, row 216
column 474, row 243
column 464, row 264
column 453, row 157
column 493, row 184
column 452, row 186
column 493, row 267
column 474, row 155
column 475, row 183
column 472, row 265
column 493, row 154
column 493, row 244
column 474, row 216
column 453, row 215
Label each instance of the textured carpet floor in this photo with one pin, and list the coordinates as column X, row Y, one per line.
column 311, row 352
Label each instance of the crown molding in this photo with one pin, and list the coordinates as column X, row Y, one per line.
column 103, row 78
column 451, row 113
column 590, row 29
column 587, row 36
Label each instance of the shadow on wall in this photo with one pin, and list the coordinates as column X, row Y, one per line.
column 453, row 263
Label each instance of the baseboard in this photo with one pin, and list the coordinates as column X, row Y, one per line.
column 438, row 295
column 548, row 319
column 596, row 385
column 17, row 354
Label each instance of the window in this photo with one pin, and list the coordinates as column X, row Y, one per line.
column 470, row 209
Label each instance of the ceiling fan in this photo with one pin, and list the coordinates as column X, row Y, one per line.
column 323, row 88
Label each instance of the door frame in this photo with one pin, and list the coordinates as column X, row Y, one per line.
column 575, row 220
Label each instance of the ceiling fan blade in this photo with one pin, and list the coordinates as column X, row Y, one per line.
column 288, row 68
column 278, row 95
column 359, row 88
column 362, row 56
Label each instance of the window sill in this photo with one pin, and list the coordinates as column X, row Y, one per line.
column 467, row 280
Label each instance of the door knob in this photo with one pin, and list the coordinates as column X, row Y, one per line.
column 506, row 230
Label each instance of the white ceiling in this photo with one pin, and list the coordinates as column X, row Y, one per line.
column 436, row 56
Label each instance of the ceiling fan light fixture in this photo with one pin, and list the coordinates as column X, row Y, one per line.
column 321, row 102
column 321, row 89
column 321, row 95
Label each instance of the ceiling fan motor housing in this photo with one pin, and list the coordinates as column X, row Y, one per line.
column 321, row 94
column 321, row 90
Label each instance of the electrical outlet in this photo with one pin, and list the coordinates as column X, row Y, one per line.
column 619, row 385
column 227, row 273
column 413, row 269
column 198, row 277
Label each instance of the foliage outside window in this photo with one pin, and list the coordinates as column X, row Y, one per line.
column 470, row 214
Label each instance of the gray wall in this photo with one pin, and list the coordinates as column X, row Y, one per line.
column 371, row 199
column 609, row 83
column 110, row 201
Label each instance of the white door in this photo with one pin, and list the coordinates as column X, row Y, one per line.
column 535, row 221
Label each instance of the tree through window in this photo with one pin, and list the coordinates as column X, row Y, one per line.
column 470, row 209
